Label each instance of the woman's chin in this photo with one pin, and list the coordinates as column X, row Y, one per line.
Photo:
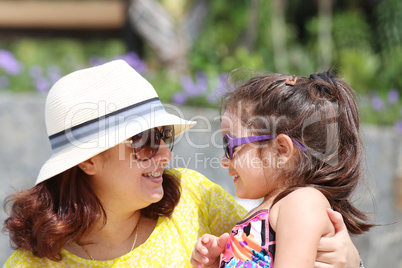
column 153, row 189
column 157, row 195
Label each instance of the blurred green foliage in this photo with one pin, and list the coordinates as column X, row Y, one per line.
column 220, row 48
column 366, row 47
column 366, row 50
column 67, row 55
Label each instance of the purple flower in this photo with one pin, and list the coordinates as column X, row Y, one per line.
column 222, row 80
column 134, row 61
column 54, row 74
column 376, row 103
column 96, row 61
column 35, row 71
column 220, row 89
column 212, row 97
column 189, row 87
column 197, row 88
column 393, row 96
column 398, row 126
column 179, row 98
column 4, row 82
column 42, row 84
column 9, row 63
column 202, row 81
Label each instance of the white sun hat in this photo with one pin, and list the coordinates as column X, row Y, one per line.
column 94, row 109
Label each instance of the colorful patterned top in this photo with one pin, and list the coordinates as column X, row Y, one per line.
column 251, row 243
column 204, row 208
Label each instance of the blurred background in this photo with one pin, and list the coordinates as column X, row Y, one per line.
column 186, row 48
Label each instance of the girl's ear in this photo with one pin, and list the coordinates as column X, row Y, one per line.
column 88, row 166
column 284, row 145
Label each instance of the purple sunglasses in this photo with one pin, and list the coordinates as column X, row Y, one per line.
column 230, row 143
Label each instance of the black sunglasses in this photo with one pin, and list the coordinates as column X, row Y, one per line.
column 146, row 144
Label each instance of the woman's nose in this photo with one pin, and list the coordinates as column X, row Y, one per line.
column 225, row 162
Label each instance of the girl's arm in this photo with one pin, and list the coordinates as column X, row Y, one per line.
column 300, row 219
column 337, row 251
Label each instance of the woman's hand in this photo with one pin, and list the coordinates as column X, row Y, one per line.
column 337, row 251
column 207, row 250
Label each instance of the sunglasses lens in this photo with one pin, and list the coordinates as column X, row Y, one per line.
column 146, row 144
column 168, row 136
column 226, row 147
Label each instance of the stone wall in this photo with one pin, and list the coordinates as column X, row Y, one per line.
column 24, row 148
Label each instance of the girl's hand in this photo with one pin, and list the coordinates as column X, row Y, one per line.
column 337, row 251
column 207, row 250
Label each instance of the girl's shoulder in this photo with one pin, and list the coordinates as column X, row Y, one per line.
column 302, row 202
column 305, row 195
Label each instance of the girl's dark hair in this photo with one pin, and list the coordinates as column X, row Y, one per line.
column 320, row 113
column 64, row 208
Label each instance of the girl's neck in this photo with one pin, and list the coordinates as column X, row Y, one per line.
column 268, row 200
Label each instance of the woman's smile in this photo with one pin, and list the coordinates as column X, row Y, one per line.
column 154, row 176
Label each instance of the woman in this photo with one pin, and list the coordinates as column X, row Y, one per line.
column 104, row 197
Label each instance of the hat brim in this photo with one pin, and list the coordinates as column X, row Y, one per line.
column 75, row 155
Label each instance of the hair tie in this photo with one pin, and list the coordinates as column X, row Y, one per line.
column 325, row 76
column 291, row 81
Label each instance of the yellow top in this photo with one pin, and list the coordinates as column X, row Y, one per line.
column 204, row 208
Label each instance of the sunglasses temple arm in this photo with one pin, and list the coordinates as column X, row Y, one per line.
column 239, row 141
column 298, row 144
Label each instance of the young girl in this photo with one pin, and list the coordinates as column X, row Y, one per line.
column 293, row 141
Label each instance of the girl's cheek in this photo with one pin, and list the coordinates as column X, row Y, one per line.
column 237, row 162
column 269, row 161
column 247, row 161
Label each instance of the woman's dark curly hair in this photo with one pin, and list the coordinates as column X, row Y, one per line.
column 64, row 208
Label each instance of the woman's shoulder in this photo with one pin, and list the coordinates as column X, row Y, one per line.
column 22, row 258
column 186, row 173
column 26, row 259
column 191, row 178
column 197, row 187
